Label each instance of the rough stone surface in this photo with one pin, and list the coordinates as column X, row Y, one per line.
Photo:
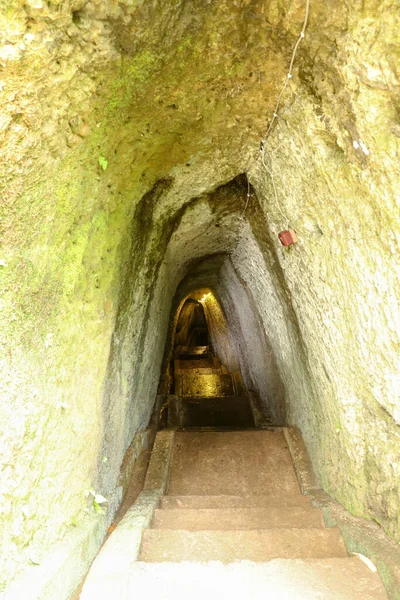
column 122, row 547
column 237, row 518
column 364, row 538
column 301, row 460
column 60, row 574
column 245, row 463
column 158, row 470
column 257, row 545
column 120, row 122
column 330, row 579
column 183, row 502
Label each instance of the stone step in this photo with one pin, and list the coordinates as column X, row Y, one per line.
column 222, row 429
column 160, row 545
column 238, row 518
column 200, row 369
column 233, row 411
column 243, row 463
column 327, row 579
column 203, row 363
column 203, row 386
column 184, row 502
column 189, row 351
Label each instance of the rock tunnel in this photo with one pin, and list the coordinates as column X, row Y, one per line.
column 152, row 152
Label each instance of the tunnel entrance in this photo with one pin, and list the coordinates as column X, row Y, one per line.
column 204, row 392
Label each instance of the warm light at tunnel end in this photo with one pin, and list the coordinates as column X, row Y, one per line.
column 205, row 297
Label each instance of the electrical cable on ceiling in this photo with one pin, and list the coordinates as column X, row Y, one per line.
column 288, row 76
column 277, row 106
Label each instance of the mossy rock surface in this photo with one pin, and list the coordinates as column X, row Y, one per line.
column 175, row 98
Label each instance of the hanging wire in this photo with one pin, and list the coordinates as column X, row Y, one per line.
column 274, row 187
column 277, row 106
column 290, row 73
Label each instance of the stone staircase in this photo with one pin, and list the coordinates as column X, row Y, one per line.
column 206, row 394
column 233, row 497
column 221, row 515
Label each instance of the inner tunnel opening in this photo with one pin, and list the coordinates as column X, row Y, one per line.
column 191, row 329
column 205, row 385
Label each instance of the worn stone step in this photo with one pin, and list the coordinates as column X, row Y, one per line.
column 324, row 579
column 257, row 545
column 184, row 502
column 241, row 463
column 204, row 385
column 222, row 429
column 202, row 363
column 238, row 518
column 193, row 350
column 199, row 370
column 216, row 412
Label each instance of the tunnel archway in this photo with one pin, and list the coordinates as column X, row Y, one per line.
column 133, row 177
column 208, row 244
column 191, row 328
column 237, row 337
column 202, row 390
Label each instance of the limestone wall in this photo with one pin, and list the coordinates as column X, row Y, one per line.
column 119, row 121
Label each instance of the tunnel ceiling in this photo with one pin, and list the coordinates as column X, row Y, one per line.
column 130, row 132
